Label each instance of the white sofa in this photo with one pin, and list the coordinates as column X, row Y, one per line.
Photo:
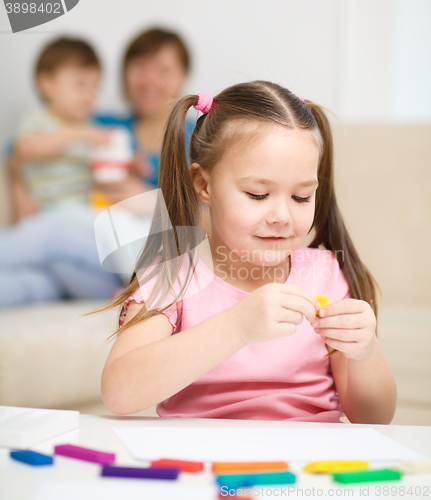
column 52, row 356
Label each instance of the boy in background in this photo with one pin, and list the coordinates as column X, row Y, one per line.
column 51, row 254
column 54, row 144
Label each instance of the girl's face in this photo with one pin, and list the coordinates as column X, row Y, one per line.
column 153, row 81
column 262, row 196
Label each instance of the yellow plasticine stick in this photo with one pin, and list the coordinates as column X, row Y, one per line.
column 331, row 466
column 323, row 301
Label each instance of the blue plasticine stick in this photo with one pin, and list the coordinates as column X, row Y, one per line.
column 31, row 457
column 235, row 481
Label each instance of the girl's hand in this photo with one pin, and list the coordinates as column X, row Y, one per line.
column 273, row 310
column 349, row 326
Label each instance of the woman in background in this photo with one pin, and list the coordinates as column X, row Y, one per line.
column 155, row 68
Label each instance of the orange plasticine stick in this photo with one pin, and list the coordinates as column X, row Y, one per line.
column 246, row 466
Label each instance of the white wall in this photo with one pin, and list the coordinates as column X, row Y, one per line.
column 360, row 58
column 412, row 67
column 384, row 60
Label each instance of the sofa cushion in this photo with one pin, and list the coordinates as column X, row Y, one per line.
column 51, row 356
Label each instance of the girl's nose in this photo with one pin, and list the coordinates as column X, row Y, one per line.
column 280, row 214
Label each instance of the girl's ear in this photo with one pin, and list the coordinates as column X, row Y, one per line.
column 200, row 182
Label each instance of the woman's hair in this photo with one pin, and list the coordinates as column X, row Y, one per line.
column 151, row 41
column 233, row 116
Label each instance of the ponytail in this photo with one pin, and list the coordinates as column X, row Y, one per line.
column 174, row 231
column 330, row 230
column 174, row 181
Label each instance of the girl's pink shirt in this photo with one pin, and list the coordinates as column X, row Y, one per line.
column 287, row 378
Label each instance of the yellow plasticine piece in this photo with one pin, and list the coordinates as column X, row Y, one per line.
column 98, row 200
column 323, row 301
column 331, row 466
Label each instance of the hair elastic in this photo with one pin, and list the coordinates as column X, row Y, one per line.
column 204, row 103
column 300, row 98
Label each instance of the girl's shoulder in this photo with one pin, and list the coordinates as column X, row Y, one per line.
column 154, row 294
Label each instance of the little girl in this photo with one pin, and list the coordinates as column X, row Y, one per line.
column 252, row 342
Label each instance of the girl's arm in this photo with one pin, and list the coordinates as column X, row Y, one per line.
column 40, row 145
column 366, row 388
column 148, row 364
column 364, row 381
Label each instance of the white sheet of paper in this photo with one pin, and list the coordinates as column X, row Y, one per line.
column 119, row 489
column 257, row 444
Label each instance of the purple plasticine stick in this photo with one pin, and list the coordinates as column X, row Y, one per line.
column 72, row 451
column 141, row 472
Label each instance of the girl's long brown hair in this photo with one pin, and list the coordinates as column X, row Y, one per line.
column 253, row 102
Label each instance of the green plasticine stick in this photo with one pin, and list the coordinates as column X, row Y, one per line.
column 234, row 481
column 364, row 476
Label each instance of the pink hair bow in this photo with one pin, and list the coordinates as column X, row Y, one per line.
column 204, row 103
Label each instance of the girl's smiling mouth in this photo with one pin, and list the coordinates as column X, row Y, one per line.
column 273, row 239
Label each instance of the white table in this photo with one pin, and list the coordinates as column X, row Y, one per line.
column 20, row 482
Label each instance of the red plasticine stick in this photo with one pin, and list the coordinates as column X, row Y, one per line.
column 184, row 465
column 72, row 451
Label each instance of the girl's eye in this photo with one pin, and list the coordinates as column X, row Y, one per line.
column 256, row 196
column 301, row 200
